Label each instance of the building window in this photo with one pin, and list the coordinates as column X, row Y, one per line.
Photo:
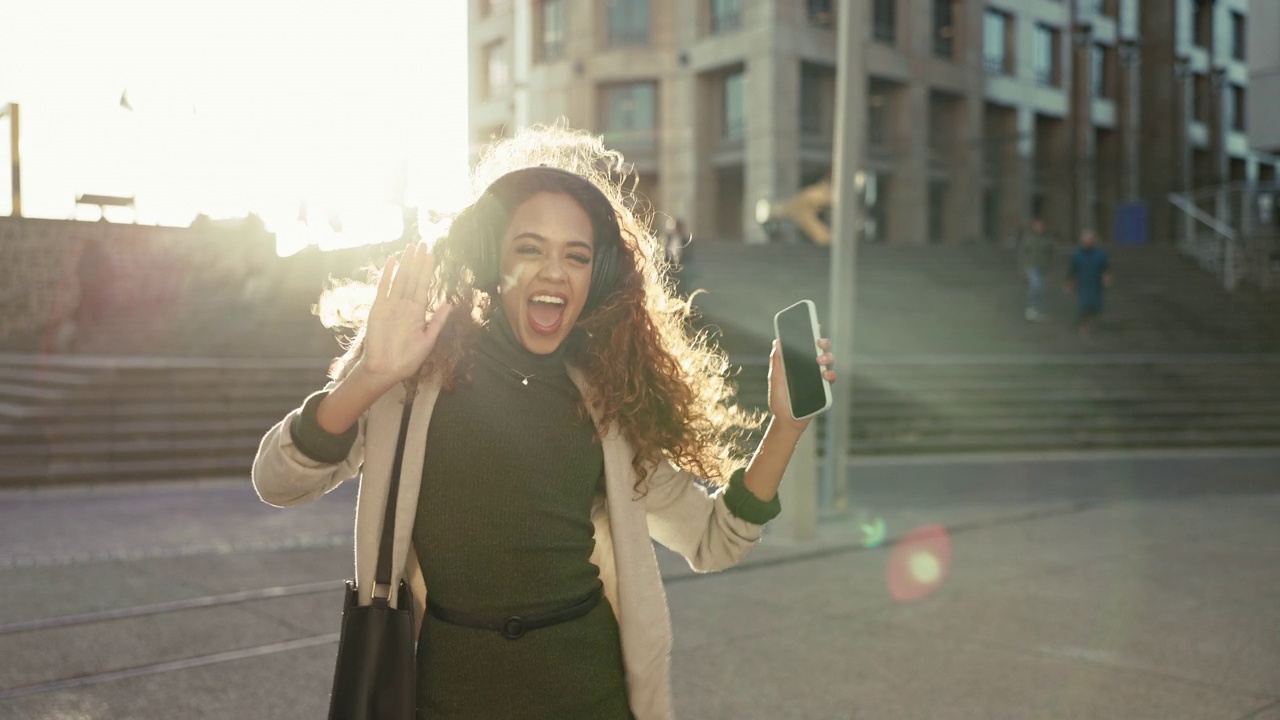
column 944, row 28
column 884, row 23
column 1045, row 56
column 942, row 124
column 628, row 22
column 1238, row 35
column 628, row 114
column 1235, row 107
column 726, row 15
column 734, row 109
column 496, row 72
column 879, row 114
column 991, row 212
column 1098, row 71
column 1201, row 101
column 550, row 30
column 817, row 100
column 1203, row 30
column 997, row 32
column 822, row 13
column 937, row 210
column 491, row 7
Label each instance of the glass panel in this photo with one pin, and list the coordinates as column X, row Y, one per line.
column 735, row 116
column 1045, row 55
column 726, row 15
column 628, row 22
column 885, row 21
column 993, row 42
column 943, row 29
column 1098, row 71
column 629, row 115
column 495, row 69
column 822, row 13
column 552, row 29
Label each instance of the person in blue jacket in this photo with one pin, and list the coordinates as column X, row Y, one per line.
column 1088, row 276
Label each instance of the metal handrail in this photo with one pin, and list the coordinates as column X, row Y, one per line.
column 1184, row 204
column 1230, row 277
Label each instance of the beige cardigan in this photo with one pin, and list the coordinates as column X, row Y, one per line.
column 676, row 512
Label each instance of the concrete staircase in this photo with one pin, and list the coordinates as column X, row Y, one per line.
column 1032, row 404
column 107, row 419
column 945, row 364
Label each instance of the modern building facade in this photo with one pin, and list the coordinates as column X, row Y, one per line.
column 980, row 115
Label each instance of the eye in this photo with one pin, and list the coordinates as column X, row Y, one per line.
column 580, row 259
column 528, row 250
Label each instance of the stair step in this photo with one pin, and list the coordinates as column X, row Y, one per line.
column 919, row 428
column 135, row 429
column 1056, row 441
column 222, row 465
column 139, row 411
column 124, row 449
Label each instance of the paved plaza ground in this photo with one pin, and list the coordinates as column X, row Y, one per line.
column 1108, row 586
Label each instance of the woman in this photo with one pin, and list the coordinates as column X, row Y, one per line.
column 563, row 417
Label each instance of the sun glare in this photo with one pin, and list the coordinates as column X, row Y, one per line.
column 325, row 118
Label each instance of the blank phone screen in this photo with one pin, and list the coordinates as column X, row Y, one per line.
column 800, row 361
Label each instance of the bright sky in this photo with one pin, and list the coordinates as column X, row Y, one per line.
column 238, row 106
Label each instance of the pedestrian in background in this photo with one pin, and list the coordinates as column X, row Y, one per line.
column 1088, row 277
column 1035, row 256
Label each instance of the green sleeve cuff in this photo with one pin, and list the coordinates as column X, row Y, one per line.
column 745, row 505
column 314, row 441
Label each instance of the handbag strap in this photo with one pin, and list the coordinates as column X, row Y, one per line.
column 382, row 577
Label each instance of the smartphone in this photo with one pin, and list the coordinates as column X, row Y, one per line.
column 796, row 328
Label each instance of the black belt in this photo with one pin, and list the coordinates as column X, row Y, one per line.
column 512, row 628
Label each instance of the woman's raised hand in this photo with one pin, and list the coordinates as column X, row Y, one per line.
column 398, row 337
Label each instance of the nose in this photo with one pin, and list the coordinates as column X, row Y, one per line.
column 553, row 268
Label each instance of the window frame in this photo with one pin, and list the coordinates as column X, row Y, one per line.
column 624, row 34
column 635, row 135
column 1046, row 44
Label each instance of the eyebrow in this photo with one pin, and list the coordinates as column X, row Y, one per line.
column 542, row 239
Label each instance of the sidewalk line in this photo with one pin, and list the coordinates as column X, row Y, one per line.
column 1046, row 456
column 171, row 606
column 185, row 664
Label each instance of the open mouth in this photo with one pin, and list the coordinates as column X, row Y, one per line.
column 546, row 312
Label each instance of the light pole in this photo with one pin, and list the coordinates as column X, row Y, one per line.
column 15, row 164
column 853, row 18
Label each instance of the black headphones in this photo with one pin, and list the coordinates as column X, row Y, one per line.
column 496, row 202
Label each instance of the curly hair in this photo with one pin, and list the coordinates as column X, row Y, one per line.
column 667, row 387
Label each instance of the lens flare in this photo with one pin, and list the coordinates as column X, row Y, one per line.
column 919, row 563
column 873, row 532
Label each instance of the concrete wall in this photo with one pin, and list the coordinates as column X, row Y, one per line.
column 160, row 284
column 1264, row 75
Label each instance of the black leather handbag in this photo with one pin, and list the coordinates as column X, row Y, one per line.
column 376, row 673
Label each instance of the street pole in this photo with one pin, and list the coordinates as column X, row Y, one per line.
column 854, row 19
column 15, row 163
